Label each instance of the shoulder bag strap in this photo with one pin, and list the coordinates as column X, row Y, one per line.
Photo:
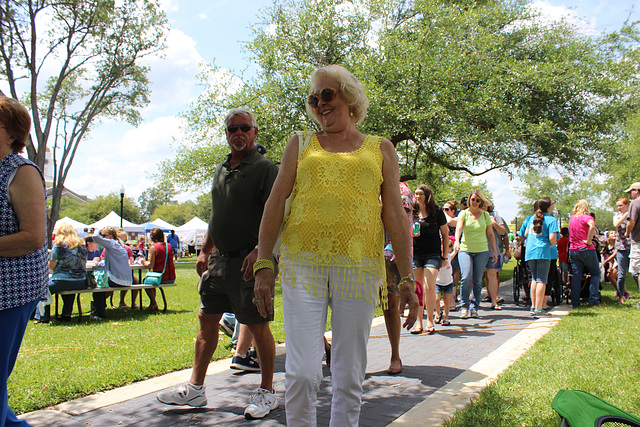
column 166, row 256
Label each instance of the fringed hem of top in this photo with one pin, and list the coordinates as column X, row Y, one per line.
column 351, row 277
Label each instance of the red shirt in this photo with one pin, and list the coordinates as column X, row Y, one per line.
column 563, row 245
column 169, row 271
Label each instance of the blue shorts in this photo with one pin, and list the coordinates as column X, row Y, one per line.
column 445, row 289
column 539, row 269
column 430, row 261
column 497, row 265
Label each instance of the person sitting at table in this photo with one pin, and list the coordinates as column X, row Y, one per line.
column 93, row 250
column 67, row 259
column 157, row 255
column 116, row 263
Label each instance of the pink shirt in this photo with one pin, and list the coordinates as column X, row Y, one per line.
column 579, row 231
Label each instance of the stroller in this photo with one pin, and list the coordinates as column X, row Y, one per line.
column 521, row 277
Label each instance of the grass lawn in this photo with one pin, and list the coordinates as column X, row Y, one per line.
column 594, row 349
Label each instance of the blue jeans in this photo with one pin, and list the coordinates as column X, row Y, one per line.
column 622, row 258
column 14, row 322
column 472, row 266
column 579, row 261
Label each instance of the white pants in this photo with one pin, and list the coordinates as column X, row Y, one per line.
column 634, row 258
column 305, row 319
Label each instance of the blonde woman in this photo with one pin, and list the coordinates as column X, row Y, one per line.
column 473, row 231
column 582, row 253
column 332, row 255
column 67, row 261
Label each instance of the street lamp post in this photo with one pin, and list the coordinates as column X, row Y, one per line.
column 121, row 204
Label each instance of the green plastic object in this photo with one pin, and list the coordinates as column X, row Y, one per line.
column 582, row 409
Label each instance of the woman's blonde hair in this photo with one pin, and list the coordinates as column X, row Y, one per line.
column 67, row 234
column 581, row 208
column 352, row 90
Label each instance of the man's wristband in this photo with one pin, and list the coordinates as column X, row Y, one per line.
column 262, row 263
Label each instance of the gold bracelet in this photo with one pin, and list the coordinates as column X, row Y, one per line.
column 262, row 263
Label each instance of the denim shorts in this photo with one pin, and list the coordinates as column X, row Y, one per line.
column 497, row 265
column 539, row 269
column 445, row 289
column 429, row 261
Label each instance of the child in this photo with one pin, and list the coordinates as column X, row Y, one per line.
column 444, row 285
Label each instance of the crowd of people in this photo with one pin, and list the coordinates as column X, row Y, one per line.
column 300, row 223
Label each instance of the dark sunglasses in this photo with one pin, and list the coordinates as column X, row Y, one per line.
column 327, row 94
column 243, row 128
column 447, row 209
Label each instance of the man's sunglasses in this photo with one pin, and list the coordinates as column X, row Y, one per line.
column 327, row 94
column 243, row 128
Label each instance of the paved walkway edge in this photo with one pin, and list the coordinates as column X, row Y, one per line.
column 459, row 392
column 89, row 403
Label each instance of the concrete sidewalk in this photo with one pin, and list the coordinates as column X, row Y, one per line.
column 441, row 374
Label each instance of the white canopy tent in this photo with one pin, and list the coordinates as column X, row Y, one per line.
column 160, row 223
column 192, row 231
column 77, row 225
column 113, row 220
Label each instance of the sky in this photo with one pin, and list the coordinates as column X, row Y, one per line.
column 117, row 154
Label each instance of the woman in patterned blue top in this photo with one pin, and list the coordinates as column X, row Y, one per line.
column 23, row 252
column 67, row 260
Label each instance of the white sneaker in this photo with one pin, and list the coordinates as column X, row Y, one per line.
column 184, row 395
column 262, row 402
column 464, row 313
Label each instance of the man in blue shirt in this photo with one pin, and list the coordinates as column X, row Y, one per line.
column 174, row 241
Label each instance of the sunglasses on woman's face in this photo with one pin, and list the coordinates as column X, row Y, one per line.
column 447, row 209
column 327, row 94
column 475, row 200
column 419, row 193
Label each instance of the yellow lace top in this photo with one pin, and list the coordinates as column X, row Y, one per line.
column 335, row 217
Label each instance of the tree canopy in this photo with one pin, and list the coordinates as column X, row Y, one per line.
column 73, row 63
column 455, row 85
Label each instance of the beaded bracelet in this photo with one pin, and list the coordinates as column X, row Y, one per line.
column 407, row 278
column 262, row 263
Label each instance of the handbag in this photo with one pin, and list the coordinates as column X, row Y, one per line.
column 303, row 142
column 91, row 281
column 155, row 278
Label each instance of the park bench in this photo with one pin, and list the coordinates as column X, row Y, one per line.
column 79, row 292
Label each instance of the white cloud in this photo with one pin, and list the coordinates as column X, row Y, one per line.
column 557, row 13
column 173, row 75
column 128, row 159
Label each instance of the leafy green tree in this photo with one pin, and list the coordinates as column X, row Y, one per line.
column 100, row 207
column 203, row 207
column 81, row 60
column 565, row 190
column 176, row 213
column 153, row 197
column 456, row 85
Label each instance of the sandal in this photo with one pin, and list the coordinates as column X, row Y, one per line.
column 496, row 307
column 416, row 331
column 438, row 318
column 499, row 300
column 152, row 307
column 431, row 331
column 446, row 323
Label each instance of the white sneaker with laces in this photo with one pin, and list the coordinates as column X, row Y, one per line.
column 262, row 402
column 184, row 395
